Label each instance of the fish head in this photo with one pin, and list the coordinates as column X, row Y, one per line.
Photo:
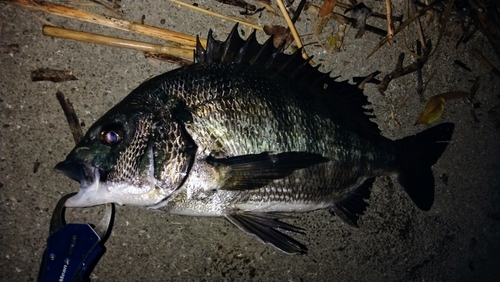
column 130, row 156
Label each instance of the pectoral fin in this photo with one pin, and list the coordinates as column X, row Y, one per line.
column 266, row 227
column 254, row 171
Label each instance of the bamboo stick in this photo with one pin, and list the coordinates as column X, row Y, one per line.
column 116, row 42
column 59, row 10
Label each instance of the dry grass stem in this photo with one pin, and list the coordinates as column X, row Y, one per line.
column 78, row 3
column 112, row 8
column 63, row 11
column 428, row 80
column 42, row 20
column 447, row 13
column 242, row 22
column 408, row 49
column 485, row 61
column 346, row 20
column 418, row 26
column 405, row 24
column 291, row 26
column 373, row 14
column 390, row 23
column 116, row 42
column 168, row 58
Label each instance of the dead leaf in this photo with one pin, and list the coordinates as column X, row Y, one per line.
column 327, row 7
column 280, row 34
column 433, row 110
column 435, row 106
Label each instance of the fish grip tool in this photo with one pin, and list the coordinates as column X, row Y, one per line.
column 73, row 249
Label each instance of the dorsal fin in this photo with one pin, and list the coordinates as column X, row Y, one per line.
column 265, row 56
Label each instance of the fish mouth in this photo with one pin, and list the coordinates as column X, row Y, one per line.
column 89, row 178
column 97, row 189
column 80, row 172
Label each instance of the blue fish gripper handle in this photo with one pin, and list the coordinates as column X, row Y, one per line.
column 71, row 254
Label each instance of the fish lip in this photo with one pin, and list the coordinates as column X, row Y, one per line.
column 89, row 178
column 83, row 173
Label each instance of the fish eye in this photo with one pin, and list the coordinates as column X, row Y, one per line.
column 111, row 134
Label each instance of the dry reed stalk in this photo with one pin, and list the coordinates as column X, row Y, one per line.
column 183, row 39
column 116, row 42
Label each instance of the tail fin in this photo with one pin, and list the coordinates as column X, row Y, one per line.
column 416, row 155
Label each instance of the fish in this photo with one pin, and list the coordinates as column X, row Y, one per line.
column 253, row 135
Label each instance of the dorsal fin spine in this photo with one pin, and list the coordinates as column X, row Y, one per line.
column 210, row 47
column 236, row 50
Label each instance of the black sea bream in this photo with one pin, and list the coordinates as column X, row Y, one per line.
column 248, row 133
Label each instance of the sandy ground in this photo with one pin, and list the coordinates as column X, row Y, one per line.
column 457, row 240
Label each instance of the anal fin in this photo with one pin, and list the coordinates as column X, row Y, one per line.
column 266, row 227
column 350, row 208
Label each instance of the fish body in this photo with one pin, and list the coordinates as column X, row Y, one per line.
column 247, row 133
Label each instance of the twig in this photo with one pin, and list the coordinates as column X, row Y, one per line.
column 418, row 25
column 404, row 24
column 217, row 15
column 390, row 23
column 168, row 58
column 239, row 3
column 59, row 10
column 407, row 48
column 69, row 112
column 292, row 28
column 46, row 74
column 297, row 12
column 401, row 71
column 428, row 80
column 374, row 14
column 347, row 20
column 485, row 62
column 447, row 14
column 116, row 42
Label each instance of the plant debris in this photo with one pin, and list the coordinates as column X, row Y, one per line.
column 281, row 35
column 168, row 58
column 462, row 65
column 239, row 3
column 359, row 13
column 9, row 48
column 46, row 74
column 401, row 71
column 71, row 117
column 36, row 165
column 435, row 106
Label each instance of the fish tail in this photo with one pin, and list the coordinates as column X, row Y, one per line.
column 416, row 155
